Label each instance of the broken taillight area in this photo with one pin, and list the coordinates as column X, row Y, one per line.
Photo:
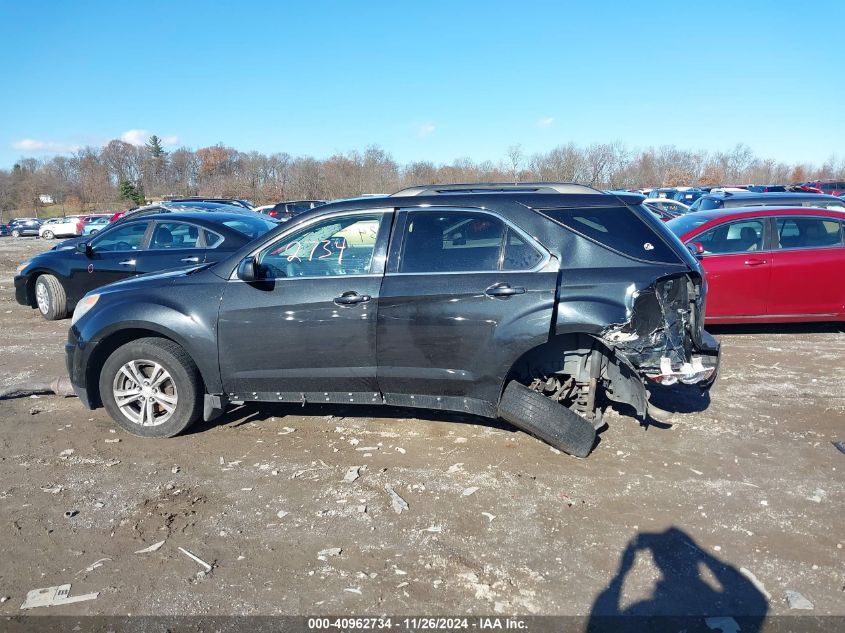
column 691, row 373
column 663, row 338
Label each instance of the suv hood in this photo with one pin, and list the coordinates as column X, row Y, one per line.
column 150, row 280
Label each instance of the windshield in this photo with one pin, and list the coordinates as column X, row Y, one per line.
column 684, row 224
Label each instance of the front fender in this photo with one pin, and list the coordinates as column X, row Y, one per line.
column 194, row 330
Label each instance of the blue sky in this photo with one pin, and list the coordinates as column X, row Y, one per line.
column 424, row 80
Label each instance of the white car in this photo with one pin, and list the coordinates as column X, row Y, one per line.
column 70, row 226
column 667, row 204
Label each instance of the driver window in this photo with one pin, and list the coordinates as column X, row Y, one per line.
column 337, row 246
column 124, row 238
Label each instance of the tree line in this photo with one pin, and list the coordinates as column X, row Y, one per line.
column 123, row 174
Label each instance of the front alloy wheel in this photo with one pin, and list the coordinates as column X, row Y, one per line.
column 145, row 392
column 48, row 235
column 151, row 387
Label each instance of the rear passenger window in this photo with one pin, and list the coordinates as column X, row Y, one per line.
column 451, row 241
column 733, row 237
column 618, row 228
column 174, row 235
column 808, row 233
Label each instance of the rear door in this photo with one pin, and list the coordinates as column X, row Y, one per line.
column 466, row 294
column 737, row 267
column 172, row 245
column 808, row 266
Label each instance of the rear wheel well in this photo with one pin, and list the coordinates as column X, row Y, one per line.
column 105, row 349
column 572, row 367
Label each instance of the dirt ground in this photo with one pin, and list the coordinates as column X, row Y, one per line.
column 732, row 505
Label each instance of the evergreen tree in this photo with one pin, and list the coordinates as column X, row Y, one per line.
column 155, row 147
column 129, row 191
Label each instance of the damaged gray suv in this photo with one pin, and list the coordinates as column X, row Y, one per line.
column 537, row 303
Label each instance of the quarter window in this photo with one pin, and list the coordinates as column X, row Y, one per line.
column 338, row 246
column 733, row 237
column 125, row 238
column 808, row 233
column 519, row 255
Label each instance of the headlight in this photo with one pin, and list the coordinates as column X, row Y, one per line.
column 88, row 302
column 22, row 266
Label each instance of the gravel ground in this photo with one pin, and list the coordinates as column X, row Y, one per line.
column 728, row 508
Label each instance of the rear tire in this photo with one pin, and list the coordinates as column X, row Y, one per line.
column 546, row 420
column 50, row 298
column 167, row 404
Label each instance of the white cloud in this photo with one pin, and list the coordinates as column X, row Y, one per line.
column 35, row 145
column 545, row 121
column 135, row 137
column 426, row 129
column 139, row 138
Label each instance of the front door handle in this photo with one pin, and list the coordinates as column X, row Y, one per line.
column 754, row 262
column 190, row 260
column 127, row 262
column 504, row 290
column 351, row 298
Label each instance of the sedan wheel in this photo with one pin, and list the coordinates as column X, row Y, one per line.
column 145, row 392
column 48, row 235
column 50, row 297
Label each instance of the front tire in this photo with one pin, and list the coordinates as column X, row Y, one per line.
column 48, row 235
column 50, row 298
column 16, row 233
column 152, row 388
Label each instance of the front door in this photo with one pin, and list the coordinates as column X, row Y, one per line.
column 466, row 293
column 737, row 268
column 307, row 330
column 113, row 255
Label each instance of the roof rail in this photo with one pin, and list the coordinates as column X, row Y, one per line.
column 490, row 187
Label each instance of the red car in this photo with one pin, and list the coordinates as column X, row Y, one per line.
column 769, row 264
column 830, row 187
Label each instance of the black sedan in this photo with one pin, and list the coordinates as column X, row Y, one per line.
column 55, row 280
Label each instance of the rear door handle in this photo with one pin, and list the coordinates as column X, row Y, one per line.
column 755, row 262
column 127, row 262
column 351, row 298
column 190, row 260
column 503, row 290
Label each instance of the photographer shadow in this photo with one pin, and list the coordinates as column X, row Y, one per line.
column 695, row 592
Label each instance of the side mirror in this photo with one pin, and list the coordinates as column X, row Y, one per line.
column 696, row 248
column 84, row 248
column 247, row 269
